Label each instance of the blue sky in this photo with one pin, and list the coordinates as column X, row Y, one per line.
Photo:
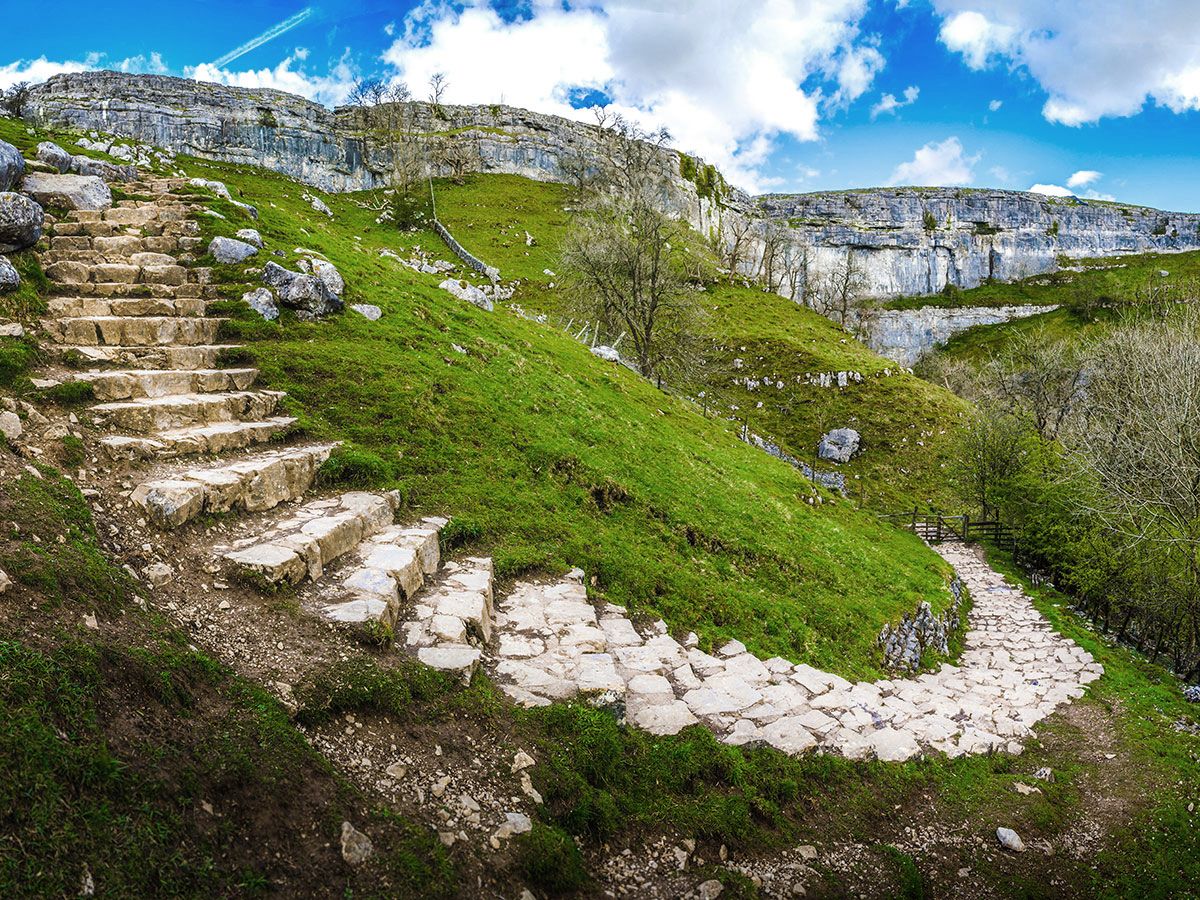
column 1098, row 97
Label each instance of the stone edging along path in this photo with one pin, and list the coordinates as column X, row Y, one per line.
column 551, row 644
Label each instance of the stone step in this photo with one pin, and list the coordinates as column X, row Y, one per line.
column 142, row 291
column 258, row 482
column 133, row 331
column 72, row 272
column 132, row 384
column 382, row 572
column 452, row 620
column 313, row 536
column 219, row 438
column 135, row 259
column 122, row 307
column 198, row 356
column 152, row 414
column 122, row 246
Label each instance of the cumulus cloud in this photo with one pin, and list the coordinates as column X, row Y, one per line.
column 330, row 89
column 1083, row 178
column 995, row 105
column 942, row 163
column 1051, row 190
column 727, row 79
column 1094, row 58
column 889, row 104
column 142, row 64
column 35, row 70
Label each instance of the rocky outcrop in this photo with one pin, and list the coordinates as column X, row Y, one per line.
column 21, row 221
column 903, row 241
column 906, row 335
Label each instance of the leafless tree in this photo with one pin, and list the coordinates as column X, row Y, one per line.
column 794, row 271
column 1038, row 375
column 840, row 292
column 389, row 126
column 438, row 83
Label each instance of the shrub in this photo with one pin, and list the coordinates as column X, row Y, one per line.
column 930, row 221
column 549, row 859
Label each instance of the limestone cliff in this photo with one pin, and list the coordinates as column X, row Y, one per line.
column 902, row 240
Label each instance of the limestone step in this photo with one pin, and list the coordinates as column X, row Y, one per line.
column 142, row 291
column 258, row 482
column 130, row 384
column 387, row 568
column 71, row 272
column 121, row 307
column 153, row 414
column 198, row 356
column 313, row 536
column 134, row 258
column 133, row 331
column 453, row 619
column 218, row 438
column 121, row 246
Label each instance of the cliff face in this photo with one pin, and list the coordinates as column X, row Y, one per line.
column 918, row 240
column 902, row 240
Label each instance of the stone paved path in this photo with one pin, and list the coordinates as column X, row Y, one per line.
column 551, row 643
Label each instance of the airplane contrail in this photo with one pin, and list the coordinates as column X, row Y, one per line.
column 270, row 34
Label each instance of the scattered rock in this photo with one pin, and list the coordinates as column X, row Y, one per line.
column 515, row 823
column 10, row 426
column 1010, row 840
column 1045, row 773
column 5, row 581
column 1025, row 790
column 12, row 165
column 87, row 884
column 86, row 192
column 329, row 274
column 10, row 278
column 367, row 311
column 262, row 301
column 217, row 187
column 319, row 205
column 12, row 330
column 607, row 353
column 1191, row 693
column 21, row 221
column 228, row 250
column 91, row 622
column 839, row 445
column 53, row 155
column 709, row 890
column 158, row 574
column 808, row 852
column 464, row 291
column 356, row 846
column 250, row 236
column 302, row 292
column 397, row 770
column 521, row 761
column 85, row 165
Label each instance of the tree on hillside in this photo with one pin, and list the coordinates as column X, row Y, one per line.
column 629, row 261
column 1039, row 376
column 389, row 126
column 991, row 453
column 840, row 292
column 13, row 98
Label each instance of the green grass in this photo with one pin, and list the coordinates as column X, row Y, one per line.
column 555, row 458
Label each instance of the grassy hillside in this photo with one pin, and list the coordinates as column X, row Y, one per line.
column 905, row 422
column 548, row 457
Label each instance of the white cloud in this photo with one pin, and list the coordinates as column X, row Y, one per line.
column 1001, row 174
column 1093, row 58
column 35, row 70
column 141, row 64
column 330, row 89
column 943, row 163
column 1057, row 190
column 889, row 104
column 389, row 29
column 1083, row 178
column 727, row 79
column 1051, row 190
column 995, row 105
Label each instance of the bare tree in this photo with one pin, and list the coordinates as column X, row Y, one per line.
column 794, row 271
column 389, row 124
column 840, row 292
column 438, row 83
column 1040, row 376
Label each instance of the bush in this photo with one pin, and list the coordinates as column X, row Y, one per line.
column 549, row 859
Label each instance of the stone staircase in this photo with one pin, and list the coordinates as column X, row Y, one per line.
column 131, row 312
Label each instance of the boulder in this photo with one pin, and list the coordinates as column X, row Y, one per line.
column 839, row 445
column 10, row 279
column 262, row 301
column 5, row 581
column 85, row 165
column 85, row 192
column 1010, row 840
column 356, row 846
column 607, row 353
column 12, row 166
column 319, row 205
column 305, row 293
column 10, row 426
column 368, row 311
column 465, row 291
column 329, row 274
column 21, row 222
column 217, row 187
column 228, row 250
column 53, row 155
column 250, row 236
